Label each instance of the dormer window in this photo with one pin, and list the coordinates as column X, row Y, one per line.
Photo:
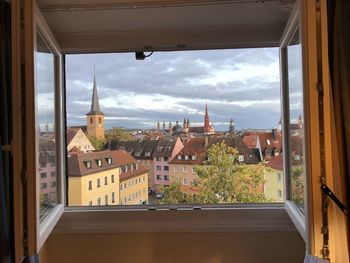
column 137, row 154
column 194, row 157
column 88, row 164
column 147, row 153
column 186, row 157
column 99, row 162
column 109, row 160
column 179, row 157
column 241, row 158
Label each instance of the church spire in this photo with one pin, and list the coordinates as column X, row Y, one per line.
column 206, row 119
column 95, row 105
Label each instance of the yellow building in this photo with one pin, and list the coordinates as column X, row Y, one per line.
column 133, row 179
column 273, row 180
column 93, row 179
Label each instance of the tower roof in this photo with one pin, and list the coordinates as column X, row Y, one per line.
column 95, row 105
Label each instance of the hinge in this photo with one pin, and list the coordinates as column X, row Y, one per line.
column 320, row 88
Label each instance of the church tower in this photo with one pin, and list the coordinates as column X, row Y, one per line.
column 95, row 118
column 206, row 128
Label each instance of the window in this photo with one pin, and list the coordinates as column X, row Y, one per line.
column 166, row 178
column 99, row 162
column 279, row 178
column 166, row 168
column 98, row 182
column 53, row 174
column 112, row 178
column 184, row 169
column 193, row 169
column 113, row 197
column 91, row 120
column 158, row 159
column 147, row 154
column 176, row 169
column 90, row 185
column 106, row 199
column 99, row 120
column 121, row 187
column 158, row 168
column 98, row 201
column 279, row 192
column 88, row 164
column 109, row 160
column 53, row 184
column 43, row 175
column 241, row 158
column 186, row 157
column 43, row 185
column 185, row 181
column 166, row 158
column 194, row 157
column 90, row 203
column 106, row 180
column 159, row 177
column 179, row 157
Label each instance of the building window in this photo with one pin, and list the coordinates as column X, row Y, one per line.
column 99, row 162
column 90, row 203
column 176, row 169
column 98, row 201
column 125, row 186
column 91, row 120
column 99, row 120
column 279, row 178
column 179, row 157
column 43, row 175
column 53, row 174
column 109, row 160
column 43, row 185
column 137, row 154
column 158, row 159
column 166, row 158
column 184, row 169
column 166, row 178
column 194, row 157
column 98, row 182
column 158, row 168
column 147, row 154
column 241, row 158
column 193, row 169
column 121, row 187
column 88, row 164
column 106, row 199
column 90, row 185
column 166, row 168
column 186, row 157
column 53, row 184
column 113, row 198
column 279, row 192
column 106, row 180
column 159, row 177
column 112, row 178
column 185, row 181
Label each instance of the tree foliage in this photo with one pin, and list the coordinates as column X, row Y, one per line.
column 222, row 179
column 98, row 144
column 297, row 184
column 120, row 134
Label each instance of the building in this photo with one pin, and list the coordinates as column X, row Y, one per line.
column 142, row 151
column 77, row 138
column 93, row 179
column 95, row 117
column 133, row 176
column 274, row 179
column 165, row 151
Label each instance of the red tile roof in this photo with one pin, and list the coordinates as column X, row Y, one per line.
column 276, row 163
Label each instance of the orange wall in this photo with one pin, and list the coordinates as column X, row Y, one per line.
column 245, row 247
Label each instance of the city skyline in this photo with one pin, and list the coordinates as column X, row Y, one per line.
column 242, row 84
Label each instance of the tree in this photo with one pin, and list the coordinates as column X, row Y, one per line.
column 98, row 144
column 297, row 184
column 173, row 195
column 224, row 180
column 117, row 133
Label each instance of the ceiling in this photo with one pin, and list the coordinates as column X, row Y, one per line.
column 82, row 26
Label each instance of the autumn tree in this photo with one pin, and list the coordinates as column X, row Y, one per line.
column 224, row 180
column 120, row 134
column 174, row 195
column 98, row 143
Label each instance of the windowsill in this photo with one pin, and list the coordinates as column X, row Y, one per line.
column 148, row 219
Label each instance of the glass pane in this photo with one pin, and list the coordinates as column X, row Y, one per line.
column 45, row 126
column 296, row 127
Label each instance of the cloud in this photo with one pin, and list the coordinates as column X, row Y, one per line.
column 242, row 84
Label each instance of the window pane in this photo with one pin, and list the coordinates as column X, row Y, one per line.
column 296, row 129
column 45, row 125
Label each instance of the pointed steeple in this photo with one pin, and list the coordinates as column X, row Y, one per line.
column 206, row 127
column 95, row 105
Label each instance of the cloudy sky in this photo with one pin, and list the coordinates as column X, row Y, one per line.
column 242, row 84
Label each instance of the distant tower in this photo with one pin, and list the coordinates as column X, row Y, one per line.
column 170, row 131
column 280, row 124
column 300, row 120
column 158, row 126
column 95, row 118
column 188, row 123
column 232, row 126
column 206, row 128
column 163, row 126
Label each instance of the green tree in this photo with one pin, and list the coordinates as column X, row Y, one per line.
column 173, row 195
column 98, row 144
column 117, row 133
column 224, row 180
column 297, row 184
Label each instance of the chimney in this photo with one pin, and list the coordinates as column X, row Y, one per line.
column 274, row 134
